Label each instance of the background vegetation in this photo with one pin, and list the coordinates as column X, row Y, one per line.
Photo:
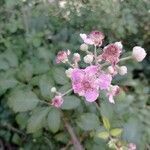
column 31, row 33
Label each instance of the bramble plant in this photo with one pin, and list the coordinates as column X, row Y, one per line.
column 101, row 66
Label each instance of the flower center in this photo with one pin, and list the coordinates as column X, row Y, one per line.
column 86, row 85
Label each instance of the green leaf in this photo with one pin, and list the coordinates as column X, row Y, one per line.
column 45, row 84
column 116, row 132
column 106, row 123
column 4, row 64
column 21, row 119
column 11, row 58
column 25, row 71
column 21, row 101
column 6, row 84
column 53, row 120
column 88, row 121
column 70, row 102
column 103, row 135
column 60, row 76
column 37, row 120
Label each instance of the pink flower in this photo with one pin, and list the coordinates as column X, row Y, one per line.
column 85, row 84
column 94, row 38
column 104, row 81
column 57, row 101
column 131, row 146
column 62, row 56
column 113, row 91
column 111, row 53
column 138, row 53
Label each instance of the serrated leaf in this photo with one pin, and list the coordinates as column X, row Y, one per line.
column 53, row 120
column 103, row 135
column 116, row 132
column 106, row 123
column 25, row 71
column 60, row 76
column 37, row 120
column 6, row 84
column 88, row 121
column 11, row 58
column 21, row 101
column 70, row 102
column 45, row 84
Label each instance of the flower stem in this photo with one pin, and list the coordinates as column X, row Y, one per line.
column 66, row 92
column 95, row 55
column 125, row 58
column 122, row 59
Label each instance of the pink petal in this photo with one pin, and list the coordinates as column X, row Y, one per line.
column 91, row 70
column 91, row 96
column 88, row 41
column 104, row 81
column 77, row 75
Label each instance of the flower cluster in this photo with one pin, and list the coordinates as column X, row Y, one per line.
column 102, row 64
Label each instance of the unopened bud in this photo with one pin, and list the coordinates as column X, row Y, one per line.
column 53, row 89
column 76, row 57
column 119, row 44
column 84, row 47
column 68, row 72
column 112, row 70
column 88, row 59
column 122, row 70
column 138, row 53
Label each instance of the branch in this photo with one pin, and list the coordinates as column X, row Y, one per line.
column 75, row 141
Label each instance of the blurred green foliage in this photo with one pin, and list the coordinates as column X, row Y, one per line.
column 31, row 33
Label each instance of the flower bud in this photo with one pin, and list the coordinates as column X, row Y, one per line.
column 76, row 57
column 88, row 59
column 57, row 101
column 138, row 53
column 53, row 89
column 84, row 47
column 131, row 146
column 111, row 70
column 68, row 72
column 119, row 45
column 122, row 70
column 62, row 56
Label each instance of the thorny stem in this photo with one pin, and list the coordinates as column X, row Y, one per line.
column 75, row 141
column 10, row 127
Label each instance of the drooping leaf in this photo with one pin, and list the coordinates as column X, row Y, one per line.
column 53, row 120
column 88, row 121
column 21, row 101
